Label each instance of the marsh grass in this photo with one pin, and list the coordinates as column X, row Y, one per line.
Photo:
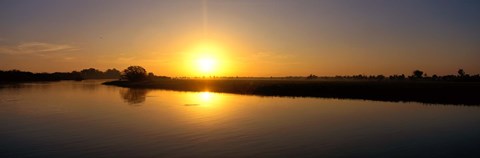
column 430, row 92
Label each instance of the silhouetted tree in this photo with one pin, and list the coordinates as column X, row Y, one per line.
column 418, row 74
column 312, row 76
column 135, row 73
column 397, row 77
column 151, row 76
column 91, row 73
column 461, row 73
column 380, row 77
column 77, row 76
column 112, row 73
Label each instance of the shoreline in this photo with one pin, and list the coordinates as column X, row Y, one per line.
column 428, row 92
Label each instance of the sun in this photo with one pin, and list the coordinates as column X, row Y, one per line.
column 206, row 64
column 206, row 59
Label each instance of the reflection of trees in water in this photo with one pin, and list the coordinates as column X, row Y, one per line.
column 134, row 96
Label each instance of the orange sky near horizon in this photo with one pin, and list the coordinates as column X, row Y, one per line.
column 242, row 38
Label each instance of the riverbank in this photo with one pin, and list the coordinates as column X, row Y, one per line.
column 430, row 92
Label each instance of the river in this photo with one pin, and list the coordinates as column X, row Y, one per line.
column 87, row 119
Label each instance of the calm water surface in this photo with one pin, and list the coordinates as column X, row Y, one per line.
column 87, row 119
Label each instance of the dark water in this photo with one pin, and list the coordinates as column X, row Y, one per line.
column 86, row 119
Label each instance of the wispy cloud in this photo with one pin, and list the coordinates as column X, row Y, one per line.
column 35, row 47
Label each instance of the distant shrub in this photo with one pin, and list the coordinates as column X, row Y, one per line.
column 418, row 74
column 461, row 72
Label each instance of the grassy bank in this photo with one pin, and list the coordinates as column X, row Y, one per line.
column 432, row 92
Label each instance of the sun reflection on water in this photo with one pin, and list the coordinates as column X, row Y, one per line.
column 205, row 97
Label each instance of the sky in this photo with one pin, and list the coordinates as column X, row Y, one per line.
column 242, row 37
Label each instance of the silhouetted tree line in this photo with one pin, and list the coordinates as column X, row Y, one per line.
column 311, row 76
column 91, row 73
column 138, row 73
column 416, row 75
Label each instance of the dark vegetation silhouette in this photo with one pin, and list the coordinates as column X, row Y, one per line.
column 92, row 73
column 419, row 87
column 311, row 76
column 417, row 74
column 461, row 73
column 112, row 73
column 134, row 74
column 24, row 76
column 138, row 73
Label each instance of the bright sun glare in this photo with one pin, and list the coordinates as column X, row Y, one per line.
column 206, row 65
column 207, row 59
column 205, row 96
